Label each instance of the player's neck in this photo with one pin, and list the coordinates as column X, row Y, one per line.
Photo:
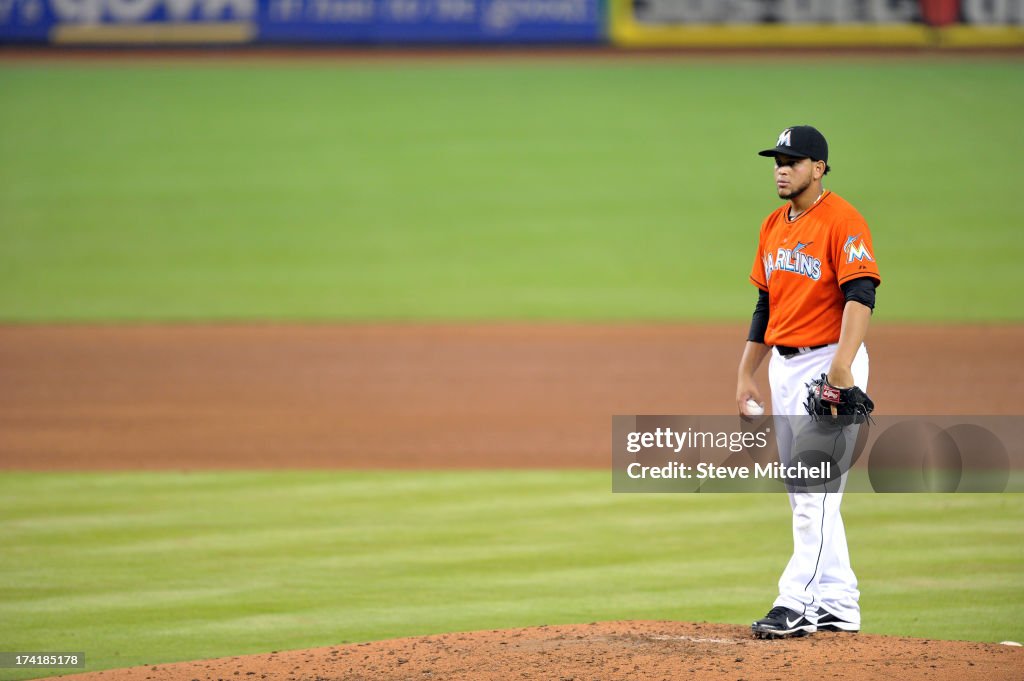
column 798, row 205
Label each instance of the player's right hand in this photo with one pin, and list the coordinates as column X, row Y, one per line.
column 746, row 389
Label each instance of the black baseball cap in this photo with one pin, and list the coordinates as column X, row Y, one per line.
column 800, row 141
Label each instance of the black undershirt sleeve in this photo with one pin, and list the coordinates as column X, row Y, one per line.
column 861, row 290
column 759, row 322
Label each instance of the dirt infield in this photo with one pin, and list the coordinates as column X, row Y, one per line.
column 609, row 651
column 416, row 396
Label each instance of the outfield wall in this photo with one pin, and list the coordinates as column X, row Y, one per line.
column 624, row 23
column 817, row 23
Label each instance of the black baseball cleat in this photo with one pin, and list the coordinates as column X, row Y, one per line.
column 829, row 622
column 781, row 622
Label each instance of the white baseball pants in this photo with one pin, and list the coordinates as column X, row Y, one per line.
column 819, row 576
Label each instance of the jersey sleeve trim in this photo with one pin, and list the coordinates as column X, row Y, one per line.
column 755, row 282
column 859, row 275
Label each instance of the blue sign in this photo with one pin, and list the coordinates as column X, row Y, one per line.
column 433, row 21
column 303, row 21
column 25, row 20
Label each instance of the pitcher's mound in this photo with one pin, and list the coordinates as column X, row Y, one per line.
column 608, row 651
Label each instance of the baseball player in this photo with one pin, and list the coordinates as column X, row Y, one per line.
column 816, row 276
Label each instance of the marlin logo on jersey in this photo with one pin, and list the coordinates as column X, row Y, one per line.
column 793, row 260
column 858, row 252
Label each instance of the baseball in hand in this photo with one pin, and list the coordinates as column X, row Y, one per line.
column 752, row 408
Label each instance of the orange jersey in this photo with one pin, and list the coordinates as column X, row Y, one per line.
column 801, row 263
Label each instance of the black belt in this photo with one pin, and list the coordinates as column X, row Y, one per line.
column 787, row 351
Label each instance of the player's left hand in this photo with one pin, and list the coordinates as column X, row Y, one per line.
column 845, row 406
column 840, row 377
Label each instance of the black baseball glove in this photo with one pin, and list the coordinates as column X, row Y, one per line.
column 844, row 405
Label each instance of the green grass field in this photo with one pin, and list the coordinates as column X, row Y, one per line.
column 451, row 191
column 144, row 568
column 458, row 192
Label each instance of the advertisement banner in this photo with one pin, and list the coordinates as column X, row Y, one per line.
column 433, row 21
column 302, row 21
column 817, row 23
column 128, row 21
